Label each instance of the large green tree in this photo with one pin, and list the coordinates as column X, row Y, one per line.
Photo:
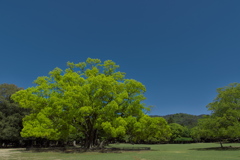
column 224, row 121
column 89, row 100
column 10, row 115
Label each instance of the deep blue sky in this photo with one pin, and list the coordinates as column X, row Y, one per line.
column 181, row 50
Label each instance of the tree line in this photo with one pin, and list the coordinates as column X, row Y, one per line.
column 92, row 103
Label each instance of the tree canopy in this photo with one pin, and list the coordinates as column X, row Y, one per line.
column 10, row 114
column 224, row 121
column 150, row 129
column 89, row 100
column 178, row 131
column 183, row 119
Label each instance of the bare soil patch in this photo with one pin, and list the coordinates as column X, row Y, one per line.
column 6, row 153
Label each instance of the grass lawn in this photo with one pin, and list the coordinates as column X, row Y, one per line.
column 195, row 151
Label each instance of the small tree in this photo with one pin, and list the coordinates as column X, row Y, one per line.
column 90, row 99
column 224, row 121
column 178, row 131
column 149, row 129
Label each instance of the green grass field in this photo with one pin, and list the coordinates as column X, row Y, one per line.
column 196, row 151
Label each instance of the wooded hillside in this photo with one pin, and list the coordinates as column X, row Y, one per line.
column 183, row 119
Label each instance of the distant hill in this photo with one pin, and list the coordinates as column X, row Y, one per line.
column 182, row 118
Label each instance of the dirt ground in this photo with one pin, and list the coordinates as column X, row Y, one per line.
column 6, row 154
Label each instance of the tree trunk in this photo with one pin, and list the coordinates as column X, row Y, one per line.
column 89, row 140
column 75, row 144
column 102, row 144
column 221, row 144
column 90, row 134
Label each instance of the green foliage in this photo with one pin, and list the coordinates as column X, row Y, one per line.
column 183, row 139
column 183, row 119
column 170, row 120
column 10, row 114
column 224, row 122
column 90, row 99
column 186, row 119
column 149, row 129
column 178, row 131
